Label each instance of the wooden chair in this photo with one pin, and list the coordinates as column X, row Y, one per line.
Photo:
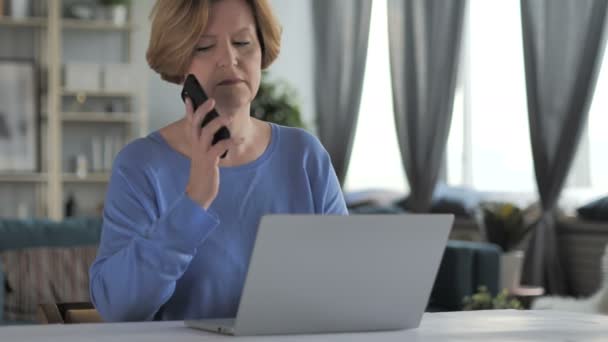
column 68, row 313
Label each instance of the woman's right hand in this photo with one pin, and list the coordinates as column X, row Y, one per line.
column 204, row 181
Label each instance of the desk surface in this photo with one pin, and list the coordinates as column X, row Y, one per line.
column 496, row 325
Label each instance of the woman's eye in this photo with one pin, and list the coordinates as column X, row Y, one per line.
column 241, row 43
column 203, row 48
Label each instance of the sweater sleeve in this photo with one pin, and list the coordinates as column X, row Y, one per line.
column 142, row 254
column 327, row 191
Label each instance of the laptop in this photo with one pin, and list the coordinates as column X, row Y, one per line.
column 328, row 274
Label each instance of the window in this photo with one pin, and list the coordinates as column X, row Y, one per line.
column 375, row 161
column 489, row 143
column 591, row 165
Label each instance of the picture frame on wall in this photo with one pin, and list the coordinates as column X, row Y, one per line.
column 19, row 116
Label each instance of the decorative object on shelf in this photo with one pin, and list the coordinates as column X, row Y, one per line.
column 103, row 151
column 277, row 102
column 112, row 145
column 110, row 108
column 96, row 152
column 18, row 116
column 77, row 104
column 81, row 12
column 108, row 152
column 117, row 10
column 119, row 106
column 482, row 300
column 20, row 9
column 82, row 167
column 118, row 78
column 81, row 77
column 118, row 143
column 70, row 206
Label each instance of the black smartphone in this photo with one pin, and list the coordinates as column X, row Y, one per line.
column 193, row 90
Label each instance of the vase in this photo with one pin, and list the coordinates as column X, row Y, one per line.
column 20, row 8
column 510, row 269
column 118, row 14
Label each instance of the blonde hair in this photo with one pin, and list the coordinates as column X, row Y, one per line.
column 178, row 24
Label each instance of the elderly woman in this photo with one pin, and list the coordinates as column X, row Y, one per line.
column 179, row 222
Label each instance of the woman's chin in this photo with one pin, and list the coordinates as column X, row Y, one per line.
column 231, row 102
column 232, row 107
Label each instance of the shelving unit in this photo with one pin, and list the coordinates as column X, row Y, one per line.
column 97, row 93
column 96, row 25
column 33, row 177
column 52, row 30
column 29, row 22
column 98, row 117
column 74, row 24
column 89, row 178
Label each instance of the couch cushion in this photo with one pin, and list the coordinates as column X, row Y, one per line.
column 45, row 275
column 376, row 209
column 460, row 201
column 596, row 210
column 371, row 198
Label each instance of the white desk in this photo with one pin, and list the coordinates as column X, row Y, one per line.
column 496, row 325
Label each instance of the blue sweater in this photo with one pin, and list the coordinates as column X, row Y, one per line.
column 162, row 256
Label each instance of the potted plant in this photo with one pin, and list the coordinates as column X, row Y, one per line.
column 277, row 102
column 505, row 225
column 483, row 300
column 116, row 10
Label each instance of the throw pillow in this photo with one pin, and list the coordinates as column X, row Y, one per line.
column 596, row 210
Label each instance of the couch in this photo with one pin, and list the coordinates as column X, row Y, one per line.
column 465, row 266
column 47, row 262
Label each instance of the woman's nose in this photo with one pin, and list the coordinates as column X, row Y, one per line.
column 227, row 56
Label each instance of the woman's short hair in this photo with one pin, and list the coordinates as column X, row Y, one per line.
column 177, row 26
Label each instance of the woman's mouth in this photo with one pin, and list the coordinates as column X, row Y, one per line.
column 230, row 81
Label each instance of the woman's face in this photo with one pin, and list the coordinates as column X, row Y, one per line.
column 227, row 59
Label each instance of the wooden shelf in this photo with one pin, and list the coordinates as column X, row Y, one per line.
column 31, row 22
column 101, row 177
column 100, row 93
column 70, row 24
column 94, row 25
column 98, row 117
column 23, row 177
